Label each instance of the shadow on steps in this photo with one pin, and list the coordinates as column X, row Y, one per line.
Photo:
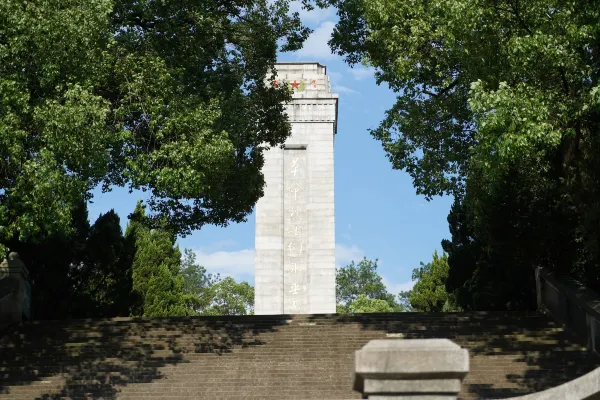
column 95, row 358
column 511, row 353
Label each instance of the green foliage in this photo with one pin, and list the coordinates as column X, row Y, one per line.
column 500, row 236
column 53, row 266
column 230, row 298
column 167, row 97
column 429, row 292
column 404, row 300
column 356, row 279
column 365, row 305
column 156, row 279
column 167, row 284
column 359, row 287
column 84, row 274
column 101, row 273
column 211, row 295
column 197, row 282
column 103, row 279
column 341, row 309
column 490, row 82
column 499, row 105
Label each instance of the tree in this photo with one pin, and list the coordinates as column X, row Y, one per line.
column 101, row 273
column 499, row 105
column 163, row 96
column 85, row 274
column 197, row 282
column 102, row 279
column 212, row 295
column 362, row 279
column 362, row 304
column 404, row 300
column 156, row 279
column 52, row 265
column 500, row 233
column 230, row 298
column 429, row 292
column 493, row 81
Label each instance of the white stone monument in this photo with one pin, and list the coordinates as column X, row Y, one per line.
column 294, row 262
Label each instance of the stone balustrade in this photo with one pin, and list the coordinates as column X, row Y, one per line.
column 14, row 290
column 571, row 304
column 586, row 387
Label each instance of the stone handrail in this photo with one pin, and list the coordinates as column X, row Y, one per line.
column 572, row 305
column 428, row 369
column 586, row 387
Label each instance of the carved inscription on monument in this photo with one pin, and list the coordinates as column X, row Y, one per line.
column 295, row 231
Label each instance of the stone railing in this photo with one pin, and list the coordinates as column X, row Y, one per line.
column 586, row 387
column 15, row 290
column 433, row 369
column 572, row 305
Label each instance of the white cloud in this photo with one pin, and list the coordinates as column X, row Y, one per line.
column 360, row 73
column 336, row 77
column 395, row 288
column 316, row 45
column 311, row 17
column 345, row 254
column 238, row 264
column 341, row 89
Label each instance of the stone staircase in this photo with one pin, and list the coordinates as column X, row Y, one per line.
column 271, row 357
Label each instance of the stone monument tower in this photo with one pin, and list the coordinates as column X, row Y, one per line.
column 294, row 262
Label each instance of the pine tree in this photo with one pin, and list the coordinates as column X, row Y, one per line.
column 157, row 283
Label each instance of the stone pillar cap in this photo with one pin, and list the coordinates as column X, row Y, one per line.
column 410, row 359
column 13, row 264
column 411, row 345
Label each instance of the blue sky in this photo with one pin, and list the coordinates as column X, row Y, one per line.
column 378, row 214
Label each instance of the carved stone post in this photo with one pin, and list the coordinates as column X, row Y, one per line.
column 418, row 369
column 14, row 296
column 539, row 289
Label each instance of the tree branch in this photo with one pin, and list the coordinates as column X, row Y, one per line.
column 443, row 91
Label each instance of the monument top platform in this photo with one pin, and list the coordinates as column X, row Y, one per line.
column 302, row 65
column 308, row 80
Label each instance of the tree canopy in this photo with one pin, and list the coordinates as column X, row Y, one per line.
column 429, row 292
column 363, row 304
column 228, row 297
column 161, row 96
column 100, row 272
column 360, row 288
column 498, row 105
column 482, row 84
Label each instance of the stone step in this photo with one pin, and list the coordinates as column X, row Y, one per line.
column 268, row 357
column 287, row 330
column 291, row 339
